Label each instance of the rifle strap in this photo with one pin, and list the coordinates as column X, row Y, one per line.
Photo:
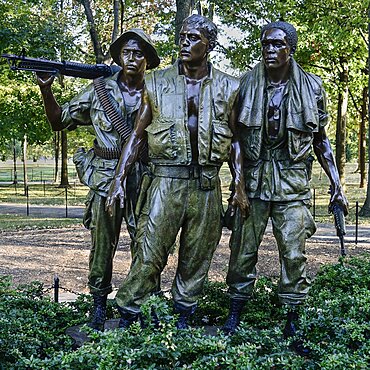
column 106, row 100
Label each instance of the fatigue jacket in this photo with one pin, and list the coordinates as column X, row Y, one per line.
column 85, row 109
column 280, row 173
column 168, row 134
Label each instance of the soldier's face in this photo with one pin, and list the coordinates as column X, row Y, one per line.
column 133, row 60
column 275, row 49
column 194, row 46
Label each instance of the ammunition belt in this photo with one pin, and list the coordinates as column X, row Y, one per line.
column 106, row 153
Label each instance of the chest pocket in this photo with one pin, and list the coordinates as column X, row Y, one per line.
column 162, row 138
column 251, row 138
column 299, row 144
column 221, row 141
column 100, row 119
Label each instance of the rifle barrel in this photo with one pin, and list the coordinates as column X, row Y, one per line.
column 72, row 69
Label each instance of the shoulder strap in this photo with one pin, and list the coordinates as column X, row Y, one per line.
column 105, row 100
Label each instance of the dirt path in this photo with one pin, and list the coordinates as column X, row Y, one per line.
column 30, row 255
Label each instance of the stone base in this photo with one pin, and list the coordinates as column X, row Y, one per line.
column 80, row 337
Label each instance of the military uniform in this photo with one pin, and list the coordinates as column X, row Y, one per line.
column 96, row 169
column 277, row 173
column 183, row 195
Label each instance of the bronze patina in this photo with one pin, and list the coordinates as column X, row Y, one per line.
column 282, row 116
column 188, row 117
column 135, row 53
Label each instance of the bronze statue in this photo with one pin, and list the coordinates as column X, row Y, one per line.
column 121, row 93
column 282, row 115
column 188, row 117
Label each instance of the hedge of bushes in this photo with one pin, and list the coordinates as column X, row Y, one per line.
column 334, row 321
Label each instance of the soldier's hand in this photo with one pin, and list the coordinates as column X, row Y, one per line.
column 116, row 191
column 339, row 198
column 44, row 79
column 239, row 199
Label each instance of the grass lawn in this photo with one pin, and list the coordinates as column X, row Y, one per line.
column 46, row 193
column 16, row 222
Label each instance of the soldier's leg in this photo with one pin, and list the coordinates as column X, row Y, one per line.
column 292, row 225
column 200, row 234
column 245, row 239
column 104, row 236
column 158, row 225
column 244, row 242
column 105, row 232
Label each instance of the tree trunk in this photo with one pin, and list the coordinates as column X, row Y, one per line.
column 340, row 154
column 116, row 19
column 25, row 179
column 199, row 8
column 362, row 138
column 15, row 178
column 183, row 10
column 64, row 174
column 365, row 210
column 56, row 155
column 211, row 9
column 93, row 32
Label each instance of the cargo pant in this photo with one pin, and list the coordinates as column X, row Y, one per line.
column 292, row 224
column 174, row 205
column 105, row 231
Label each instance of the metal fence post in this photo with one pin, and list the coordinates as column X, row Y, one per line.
column 66, row 201
column 56, row 288
column 356, row 230
column 27, row 200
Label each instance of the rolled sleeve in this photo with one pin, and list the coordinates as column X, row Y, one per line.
column 77, row 111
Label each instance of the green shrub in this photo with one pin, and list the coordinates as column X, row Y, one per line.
column 334, row 323
column 31, row 324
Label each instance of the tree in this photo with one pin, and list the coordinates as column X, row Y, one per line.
column 365, row 210
column 39, row 27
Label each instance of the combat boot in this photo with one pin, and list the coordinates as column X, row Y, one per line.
column 184, row 314
column 127, row 318
column 99, row 312
column 290, row 331
column 233, row 320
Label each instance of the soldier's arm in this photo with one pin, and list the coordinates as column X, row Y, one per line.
column 130, row 154
column 239, row 197
column 52, row 108
column 325, row 156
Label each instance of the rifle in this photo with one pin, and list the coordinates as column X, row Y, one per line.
column 339, row 223
column 73, row 69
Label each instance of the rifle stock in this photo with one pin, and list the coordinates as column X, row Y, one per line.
column 72, row 69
